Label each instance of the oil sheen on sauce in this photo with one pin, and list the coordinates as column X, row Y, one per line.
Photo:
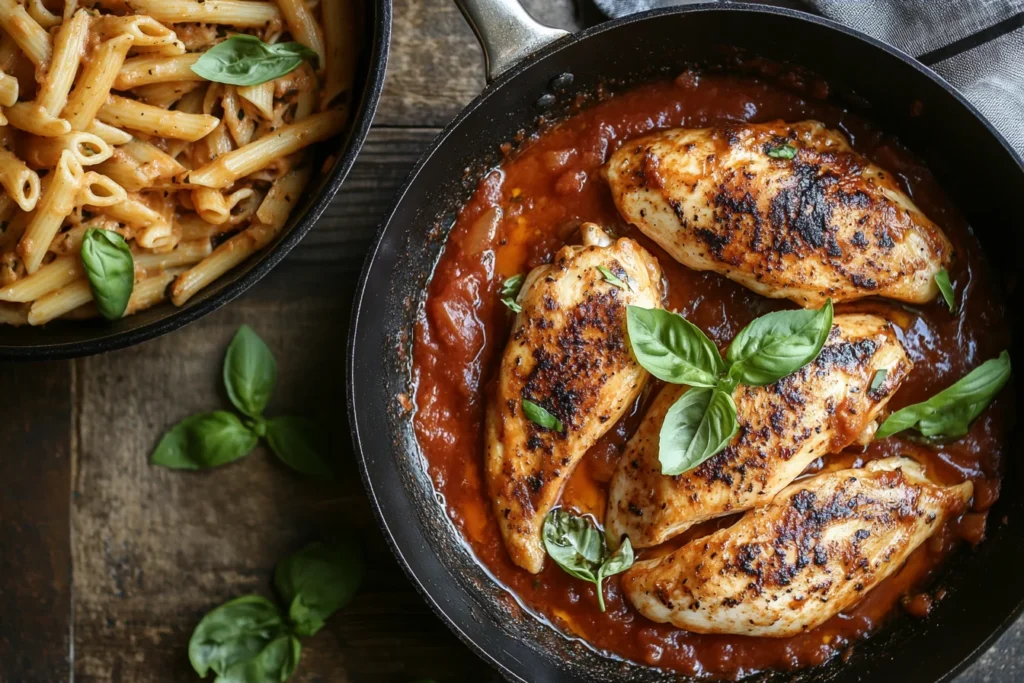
column 520, row 215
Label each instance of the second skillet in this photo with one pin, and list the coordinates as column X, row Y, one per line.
column 972, row 161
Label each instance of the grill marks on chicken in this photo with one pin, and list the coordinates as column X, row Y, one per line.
column 820, row 409
column 827, row 223
column 816, row 549
column 568, row 353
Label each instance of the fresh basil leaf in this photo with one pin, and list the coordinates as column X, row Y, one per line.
column 786, row 151
column 203, row 441
column 619, row 561
column 302, row 444
column 510, row 290
column 610, row 277
column 879, row 379
column 699, row 425
column 250, row 372
column 247, row 60
column 946, row 287
column 538, row 415
column 574, row 544
column 319, row 580
column 274, row 663
column 110, row 267
column 234, row 633
column 778, row 344
column 949, row 413
column 672, row 348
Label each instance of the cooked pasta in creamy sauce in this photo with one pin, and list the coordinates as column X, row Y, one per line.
column 104, row 124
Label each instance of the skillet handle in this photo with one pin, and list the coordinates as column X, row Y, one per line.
column 506, row 32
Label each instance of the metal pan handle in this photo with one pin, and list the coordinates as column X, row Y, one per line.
column 506, row 32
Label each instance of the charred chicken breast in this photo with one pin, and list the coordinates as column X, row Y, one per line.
column 816, row 549
column 569, row 354
column 820, row 409
column 789, row 210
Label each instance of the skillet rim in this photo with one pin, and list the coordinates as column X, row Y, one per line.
column 351, row 144
column 490, row 90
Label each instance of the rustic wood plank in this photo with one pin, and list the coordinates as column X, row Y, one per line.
column 35, row 561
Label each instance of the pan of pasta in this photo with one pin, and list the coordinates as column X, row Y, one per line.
column 160, row 156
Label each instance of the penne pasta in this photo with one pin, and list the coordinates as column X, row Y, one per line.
column 164, row 95
column 20, row 182
column 151, row 291
column 67, row 54
column 54, row 275
column 32, row 38
column 94, row 85
column 32, row 118
column 303, row 28
column 160, row 69
column 43, row 16
column 261, row 96
column 109, row 134
column 8, row 90
column 88, row 149
column 241, row 13
column 185, row 254
column 122, row 112
column 98, row 190
column 54, row 205
column 60, row 301
column 145, row 32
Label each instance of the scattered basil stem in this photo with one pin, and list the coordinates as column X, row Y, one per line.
column 579, row 548
column 949, row 413
column 703, row 421
column 246, row 60
column 213, row 439
column 879, row 379
column 110, row 269
column 510, row 290
column 785, row 151
column 540, row 416
column 611, row 278
column 946, row 288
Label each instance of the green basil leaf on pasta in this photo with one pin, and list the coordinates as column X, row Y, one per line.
column 233, row 634
column 946, row 287
column 319, row 580
column 698, row 426
column 275, row 663
column 778, row 344
column 949, row 413
column 247, row 60
column 203, row 441
column 110, row 268
column 302, row 444
column 250, row 372
column 540, row 416
column 672, row 348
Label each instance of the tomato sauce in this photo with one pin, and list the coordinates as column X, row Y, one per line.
column 532, row 204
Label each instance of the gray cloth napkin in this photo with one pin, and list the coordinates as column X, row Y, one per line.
column 977, row 45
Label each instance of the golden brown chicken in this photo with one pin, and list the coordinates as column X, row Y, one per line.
column 569, row 354
column 820, row 409
column 786, row 209
column 816, row 549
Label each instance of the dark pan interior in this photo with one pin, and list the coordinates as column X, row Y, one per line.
column 63, row 339
column 973, row 164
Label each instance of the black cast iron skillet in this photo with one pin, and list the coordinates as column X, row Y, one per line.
column 70, row 339
column 973, row 163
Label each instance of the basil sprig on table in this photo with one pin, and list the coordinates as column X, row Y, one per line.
column 212, row 439
column 579, row 548
column 946, row 287
column 703, row 421
column 251, row 640
column 247, row 60
column 949, row 413
column 110, row 268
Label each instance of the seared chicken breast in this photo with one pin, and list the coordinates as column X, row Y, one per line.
column 820, row 409
column 814, row 221
column 816, row 549
column 569, row 354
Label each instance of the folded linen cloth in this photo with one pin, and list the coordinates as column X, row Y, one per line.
column 976, row 45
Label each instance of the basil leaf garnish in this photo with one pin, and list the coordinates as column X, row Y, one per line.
column 879, row 379
column 699, row 425
column 611, row 278
column 302, row 444
column 274, row 663
column 510, row 290
column 672, row 348
column 579, row 548
column 538, row 415
column 250, row 372
column 778, row 344
column 233, row 634
column 203, row 441
column 786, row 151
column 110, row 267
column 319, row 580
column 949, row 413
column 247, row 60
column 946, row 287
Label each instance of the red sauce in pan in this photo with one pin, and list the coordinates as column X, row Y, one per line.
column 525, row 210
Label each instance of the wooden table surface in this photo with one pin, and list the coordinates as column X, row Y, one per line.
column 107, row 563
